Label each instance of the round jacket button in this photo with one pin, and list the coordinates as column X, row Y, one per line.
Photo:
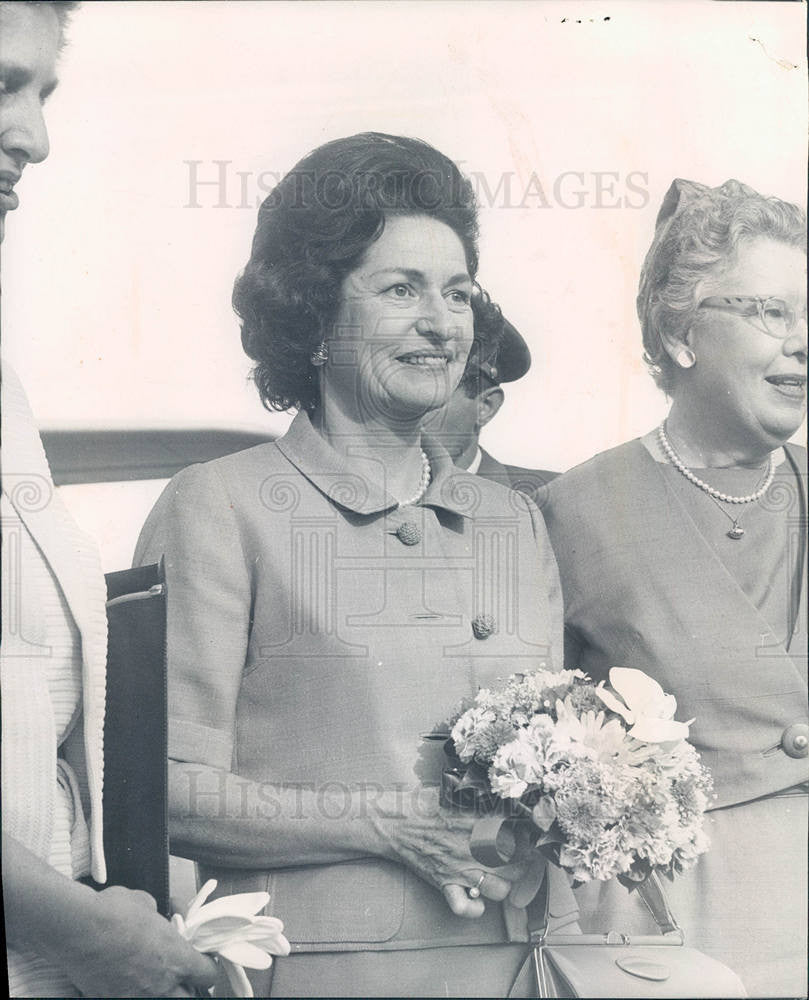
column 409, row 533
column 483, row 626
column 795, row 740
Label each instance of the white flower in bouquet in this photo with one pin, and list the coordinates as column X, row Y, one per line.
column 517, row 765
column 645, row 705
column 230, row 929
column 588, row 735
column 598, row 860
column 537, row 692
column 468, row 728
column 497, row 702
column 542, row 729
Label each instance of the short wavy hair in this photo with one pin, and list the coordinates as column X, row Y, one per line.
column 313, row 229
column 699, row 232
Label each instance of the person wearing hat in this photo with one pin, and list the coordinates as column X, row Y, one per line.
column 479, row 395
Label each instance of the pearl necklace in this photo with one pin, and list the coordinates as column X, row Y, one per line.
column 426, row 474
column 736, row 531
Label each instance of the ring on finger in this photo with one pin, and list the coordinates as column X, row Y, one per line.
column 473, row 892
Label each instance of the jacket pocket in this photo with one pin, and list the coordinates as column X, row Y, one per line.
column 355, row 902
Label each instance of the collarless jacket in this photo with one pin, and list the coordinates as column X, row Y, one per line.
column 642, row 588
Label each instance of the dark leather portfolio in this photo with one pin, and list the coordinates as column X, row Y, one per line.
column 136, row 842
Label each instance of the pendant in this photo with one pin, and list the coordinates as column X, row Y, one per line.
column 735, row 532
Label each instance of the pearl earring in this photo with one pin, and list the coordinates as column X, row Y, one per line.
column 320, row 355
column 686, row 358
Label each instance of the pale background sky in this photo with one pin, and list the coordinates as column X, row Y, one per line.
column 116, row 294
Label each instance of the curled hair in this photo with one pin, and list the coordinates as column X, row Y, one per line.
column 314, row 228
column 701, row 235
column 489, row 330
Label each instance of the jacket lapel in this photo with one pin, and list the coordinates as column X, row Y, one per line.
column 28, row 485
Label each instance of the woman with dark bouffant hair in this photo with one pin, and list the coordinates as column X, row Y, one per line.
column 683, row 554
column 314, row 229
column 334, row 594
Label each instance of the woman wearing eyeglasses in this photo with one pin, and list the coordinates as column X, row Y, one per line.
column 683, row 554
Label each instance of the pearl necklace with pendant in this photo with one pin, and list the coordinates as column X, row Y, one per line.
column 737, row 531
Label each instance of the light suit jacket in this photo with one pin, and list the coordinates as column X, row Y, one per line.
column 310, row 644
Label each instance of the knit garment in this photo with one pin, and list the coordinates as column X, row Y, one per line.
column 52, row 668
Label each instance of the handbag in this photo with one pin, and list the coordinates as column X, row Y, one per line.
column 621, row 965
column 136, row 839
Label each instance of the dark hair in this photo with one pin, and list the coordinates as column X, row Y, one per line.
column 313, row 229
column 489, row 330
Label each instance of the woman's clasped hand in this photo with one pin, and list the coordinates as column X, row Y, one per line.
column 433, row 841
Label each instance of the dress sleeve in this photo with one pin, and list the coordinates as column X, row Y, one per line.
column 559, row 534
column 194, row 527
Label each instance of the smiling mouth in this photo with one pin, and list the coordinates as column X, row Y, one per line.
column 793, row 386
column 419, row 359
column 8, row 198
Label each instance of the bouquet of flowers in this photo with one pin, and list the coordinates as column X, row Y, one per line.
column 603, row 773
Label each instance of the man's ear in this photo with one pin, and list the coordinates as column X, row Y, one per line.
column 489, row 402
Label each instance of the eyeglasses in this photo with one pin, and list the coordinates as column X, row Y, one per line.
column 777, row 316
